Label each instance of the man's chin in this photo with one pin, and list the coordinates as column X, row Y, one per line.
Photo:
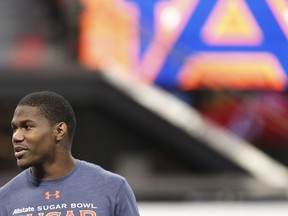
column 22, row 164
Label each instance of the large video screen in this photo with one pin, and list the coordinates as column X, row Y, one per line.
column 190, row 44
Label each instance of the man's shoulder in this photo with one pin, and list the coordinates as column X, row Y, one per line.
column 99, row 172
column 13, row 184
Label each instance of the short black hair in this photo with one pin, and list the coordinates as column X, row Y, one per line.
column 52, row 106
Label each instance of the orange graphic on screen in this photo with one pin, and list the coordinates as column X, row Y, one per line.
column 108, row 31
column 171, row 18
column 230, row 70
column 231, row 23
column 280, row 10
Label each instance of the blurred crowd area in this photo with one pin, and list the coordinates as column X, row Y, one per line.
column 159, row 160
column 37, row 33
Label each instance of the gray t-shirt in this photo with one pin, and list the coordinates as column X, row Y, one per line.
column 88, row 190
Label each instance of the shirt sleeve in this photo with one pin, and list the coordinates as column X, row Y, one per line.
column 126, row 204
column 2, row 210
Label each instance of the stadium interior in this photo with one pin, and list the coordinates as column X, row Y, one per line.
column 221, row 139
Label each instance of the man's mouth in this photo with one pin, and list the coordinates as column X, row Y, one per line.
column 19, row 151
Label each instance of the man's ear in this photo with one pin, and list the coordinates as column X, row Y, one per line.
column 60, row 131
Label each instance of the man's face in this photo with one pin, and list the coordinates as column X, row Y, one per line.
column 33, row 138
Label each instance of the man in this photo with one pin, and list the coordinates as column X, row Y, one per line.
column 53, row 182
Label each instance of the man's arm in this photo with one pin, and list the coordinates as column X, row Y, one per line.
column 126, row 204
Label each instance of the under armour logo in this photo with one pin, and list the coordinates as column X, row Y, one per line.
column 48, row 195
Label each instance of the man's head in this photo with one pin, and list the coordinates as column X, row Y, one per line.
column 54, row 107
column 43, row 126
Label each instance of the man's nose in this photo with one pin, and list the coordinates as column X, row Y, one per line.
column 17, row 136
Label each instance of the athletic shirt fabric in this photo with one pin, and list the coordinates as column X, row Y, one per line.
column 88, row 190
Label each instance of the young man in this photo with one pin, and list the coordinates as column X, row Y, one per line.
column 52, row 182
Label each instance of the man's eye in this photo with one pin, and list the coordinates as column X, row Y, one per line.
column 27, row 126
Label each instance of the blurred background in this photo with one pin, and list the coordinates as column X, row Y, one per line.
column 185, row 98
